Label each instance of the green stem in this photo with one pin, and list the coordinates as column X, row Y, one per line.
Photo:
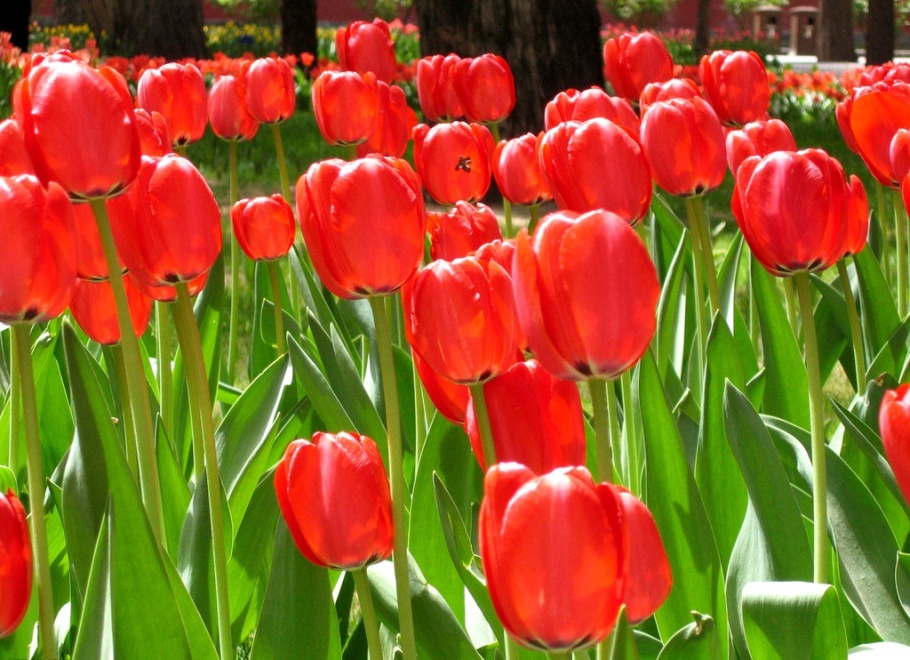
column 512, row 649
column 15, row 408
column 600, row 406
column 26, row 376
column 900, row 224
column 631, row 427
column 534, row 217
column 616, row 433
column 883, row 226
column 236, row 265
column 135, row 378
column 368, row 612
column 165, row 374
column 274, row 275
column 482, row 413
column 556, row 655
column 129, row 431
column 507, row 216
column 856, row 332
column 201, row 401
column 698, row 286
column 790, row 296
column 816, row 403
column 396, row 475
column 707, row 250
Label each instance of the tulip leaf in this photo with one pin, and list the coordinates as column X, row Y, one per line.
column 879, row 314
column 902, row 580
column 175, row 492
column 668, row 232
column 307, row 373
column 786, row 383
column 832, row 327
column 671, row 314
column 318, row 302
column 298, row 611
column 623, row 639
column 262, row 349
column 7, row 481
column 699, row 640
column 678, row 510
column 793, row 620
column 867, row 552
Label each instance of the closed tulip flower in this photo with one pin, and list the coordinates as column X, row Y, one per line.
column 271, row 96
column 334, row 496
column 554, row 554
column 460, row 318
column 346, row 106
column 450, row 399
column 396, row 121
column 758, row 138
column 878, row 113
column 736, row 84
column 858, row 217
column 842, row 113
column 486, row 87
column 264, row 226
column 93, row 308
column 462, row 230
column 154, row 134
column 577, row 158
column 454, row 160
column 516, row 169
column 177, row 91
column 15, row 564
column 675, row 88
column 228, row 112
column 588, row 104
column 631, row 61
column 363, row 47
column 363, row 222
column 684, row 143
column 586, row 292
column 894, row 424
column 15, row 159
column 436, row 92
column 78, row 126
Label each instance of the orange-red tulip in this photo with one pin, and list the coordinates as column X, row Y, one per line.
column 94, row 309
column 177, row 91
column 586, row 292
column 154, row 134
column 462, row 230
column 736, row 84
column 346, row 106
column 454, row 160
column 15, row 564
column 229, row 114
column 363, row 47
column 15, row 158
column 554, row 553
column 631, row 61
column 591, row 103
column 516, row 169
column 334, row 495
column 486, row 87
column 894, row 424
column 264, row 226
column 436, row 87
column 363, row 222
column 842, row 113
column 857, row 217
column 270, row 93
column 675, row 88
column 450, row 399
column 878, row 113
column 396, row 121
column 758, row 138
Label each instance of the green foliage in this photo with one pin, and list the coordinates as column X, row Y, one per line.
column 742, row 9
column 237, row 39
column 644, row 13
column 384, row 9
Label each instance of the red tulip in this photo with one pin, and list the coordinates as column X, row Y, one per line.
column 94, row 309
column 363, row 223
column 857, row 218
column 334, row 495
column 758, row 138
column 436, row 89
column 454, row 160
column 78, row 126
column 536, row 419
column 396, row 120
column 450, row 399
column 842, row 113
column 228, row 112
column 577, row 158
column 38, row 250
column 264, row 226
column 675, row 88
column 462, row 230
column 503, row 253
column 894, row 423
column 15, row 564
column 270, row 93
column 363, row 47
column 900, row 154
column 15, row 159
column 684, row 142
column 590, row 103
column 736, row 84
column 888, row 72
column 168, row 225
column 460, row 318
column 793, row 210
column 878, row 113
column 486, row 87
column 586, row 292
column 165, row 293
column 631, row 61
column 154, row 134
column 554, row 552
column 90, row 261
column 177, row 91
column 516, row 169
column 346, row 106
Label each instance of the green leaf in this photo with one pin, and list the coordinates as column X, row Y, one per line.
column 696, row 641
column 308, row 374
column 793, row 620
column 262, row 349
column 893, row 353
column 832, row 327
column 175, row 492
column 623, row 647
column 672, row 338
column 902, row 580
column 7, row 481
column 878, row 312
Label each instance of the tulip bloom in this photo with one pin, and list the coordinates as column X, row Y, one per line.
column 177, row 91
column 793, row 210
column 90, row 261
column 462, row 230
column 15, row 159
column 758, row 138
column 94, row 309
column 842, row 113
column 586, row 292
column 486, row 87
column 363, row 47
column 78, row 126
column 271, row 96
column 675, row 88
column 363, row 223
column 38, row 250
column 594, row 102
column 436, row 88
column 578, row 158
column 858, row 217
column 684, row 142
column 554, row 552
column 878, row 113
column 450, row 399
column 264, row 226
column 154, row 134
column 516, row 169
column 346, row 106
column 454, row 160
column 396, row 121
column 894, row 423
column 334, row 495
column 631, row 61
column 460, row 318
column 536, row 419
column 228, row 112
column 736, row 84
column 15, row 564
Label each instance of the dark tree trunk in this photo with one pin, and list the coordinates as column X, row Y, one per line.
column 298, row 26
column 835, row 31
column 14, row 19
column 703, row 27
column 551, row 45
column 880, row 32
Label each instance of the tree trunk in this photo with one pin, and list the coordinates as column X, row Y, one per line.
column 835, row 31
column 880, row 32
column 703, row 28
column 298, row 27
column 551, row 45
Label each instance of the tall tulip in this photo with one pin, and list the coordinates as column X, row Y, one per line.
column 93, row 308
column 346, row 106
column 631, row 61
column 154, row 134
column 516, row 169
column 454, row 160
column 177, row 91
column 736, row 84
column 436, row 88
column 396, row 121
column 486, row 87
column 15, row 563
column 363, row 46
column 228, row 112
column 570, row 531
column 758, row 138
column 270, row 93
column 588, row 104
column 462, row 230
column 894, row 424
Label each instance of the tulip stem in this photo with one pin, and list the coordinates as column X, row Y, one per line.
column 201, row 402
column 512, row 650
column 396, row 475
column 816, row 404
column 856, row 332
column 236, row 265
column 790, row 296
column 137, row 388
column 165, row 374
column 699, row 223
column 274, row 275
column 368, row 612
column 631, row 426
column 600, row 408
column 507, row 215
column 482, row 413
column 900, row 223
column 534, row 217
column 26, row 377
column 883, row 226
column 701, row 310
column 129, row 434
column 15, row 393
